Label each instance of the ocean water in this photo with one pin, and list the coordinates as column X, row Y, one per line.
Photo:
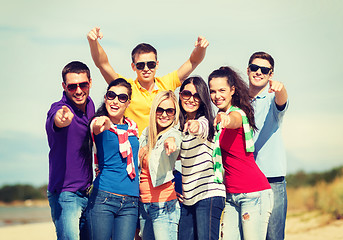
column 13, row 215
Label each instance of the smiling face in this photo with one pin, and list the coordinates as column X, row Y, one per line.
column 145, row 76
column 221, row 93
column 164, row 120
column 257, row 79
column 115, row 108
column 78, row 96
column 191, row 105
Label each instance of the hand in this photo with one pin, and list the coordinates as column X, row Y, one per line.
column 275, row 86
column 63, row 117
column 170, row 145
column 95, row 34
column 201, row 42
column 192, row 126
column 222, row 118
column 179, row 197
column 101, row 124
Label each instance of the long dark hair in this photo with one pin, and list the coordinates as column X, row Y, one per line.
column 87, row 146
column 241, row 97
column 205, row 108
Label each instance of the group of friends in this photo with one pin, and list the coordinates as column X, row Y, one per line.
column 232, row 163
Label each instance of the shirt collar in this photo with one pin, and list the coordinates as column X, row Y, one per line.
column 71, row 103
column 263, row 94
column 140, row 86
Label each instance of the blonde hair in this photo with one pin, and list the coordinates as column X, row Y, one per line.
column 153, row 134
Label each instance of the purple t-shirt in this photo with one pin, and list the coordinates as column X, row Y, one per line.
column 68, row 169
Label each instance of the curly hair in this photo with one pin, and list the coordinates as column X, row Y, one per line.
column 241, row 96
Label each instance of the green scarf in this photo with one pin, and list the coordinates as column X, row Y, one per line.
column 217, row 155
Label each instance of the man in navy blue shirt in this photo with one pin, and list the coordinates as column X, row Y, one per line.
column 70, row 173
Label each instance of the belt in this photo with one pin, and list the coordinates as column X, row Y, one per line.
column 276, row 179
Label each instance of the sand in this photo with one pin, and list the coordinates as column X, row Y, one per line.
column 304, row 226
column 32, row 231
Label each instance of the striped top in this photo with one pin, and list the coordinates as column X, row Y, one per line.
column 197, row 167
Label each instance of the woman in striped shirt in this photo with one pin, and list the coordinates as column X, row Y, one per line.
column 203, row 198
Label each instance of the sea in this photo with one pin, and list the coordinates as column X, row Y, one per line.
column 14, row 215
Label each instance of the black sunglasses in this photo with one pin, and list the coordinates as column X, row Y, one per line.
column 254, row 68
column 110, row 95
column 73, row 86
column 141, row 65
column 186, row 95
column 169, row 111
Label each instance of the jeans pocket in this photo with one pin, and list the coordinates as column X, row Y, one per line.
column 99, row 199
column 172, row 205
column 252, row 195
column 135, row 203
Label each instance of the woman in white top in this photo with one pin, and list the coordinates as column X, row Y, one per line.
column 203, row 198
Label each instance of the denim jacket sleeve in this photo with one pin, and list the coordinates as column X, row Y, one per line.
column 161, row 165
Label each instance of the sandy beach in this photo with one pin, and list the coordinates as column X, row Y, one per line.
column 32, row 231
column 304, row 226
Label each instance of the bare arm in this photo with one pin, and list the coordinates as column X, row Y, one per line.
column 99, row 56
column 233, row 121
column 194, row 60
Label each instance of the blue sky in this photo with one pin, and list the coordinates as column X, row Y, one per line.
column 38, row 38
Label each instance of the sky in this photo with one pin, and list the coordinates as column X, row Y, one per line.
column 38, row 38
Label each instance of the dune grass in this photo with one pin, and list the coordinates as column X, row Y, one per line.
column 327, row 197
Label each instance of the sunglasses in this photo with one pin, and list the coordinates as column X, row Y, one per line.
column 169, row 111
column 264, row 70
column 110, row 95
column 73, row 86
column 141, row 65
column 186, row 95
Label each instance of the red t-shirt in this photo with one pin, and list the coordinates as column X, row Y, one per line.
column 242, row 175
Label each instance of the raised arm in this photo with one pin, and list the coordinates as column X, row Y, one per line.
column 281, row 95
column 194, row 60
column 99, row 56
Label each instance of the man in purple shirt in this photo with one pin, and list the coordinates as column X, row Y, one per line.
column 70, row 173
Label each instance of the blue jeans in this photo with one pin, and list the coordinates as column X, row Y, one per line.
column 110, row 215
column 201, row 220
column 159, row 220
column 246, row 215
column 277, row 220
column 68, row 214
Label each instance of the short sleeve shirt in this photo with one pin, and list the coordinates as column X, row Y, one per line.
column 68, row 169
column 139, row 108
